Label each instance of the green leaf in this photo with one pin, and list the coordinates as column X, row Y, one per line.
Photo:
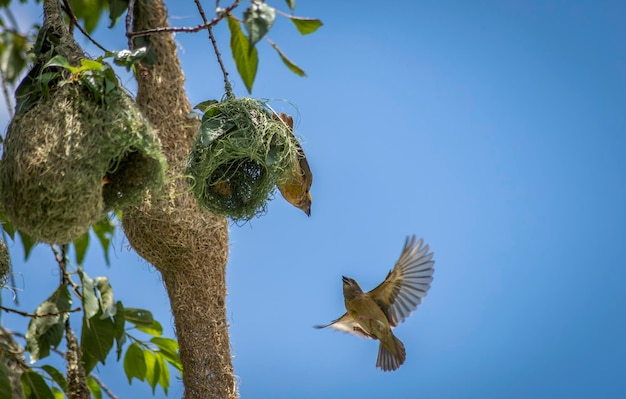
column 60, row 61
column 90, row 300
column 13, row 55
column 135, row 363
column 291, row 4
column 293, row 67
column 27, row 243
column 88, row 11
column 90, row 65
column 138, row 316
column 34, row 386
column 152, row 369
column 94, row 388
column 58, row 394
column 6, row 390
column 151, row 56
column 155, row 329
column 104, row 230
column 306, row 25
column 213, row 127
column 107, row 304
column 119, row 320
column 204, row 106
column 44, row 81
column 168, row 347
column 46, row 331
column 164, row 376
column 116, row 9
column 245, row 55
column 56, row 375
column 80, row 247
column 258, row 20
column 96, row 340
column 8, row 227
column 127, row 58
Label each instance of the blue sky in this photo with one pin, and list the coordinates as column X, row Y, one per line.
column 494, row 129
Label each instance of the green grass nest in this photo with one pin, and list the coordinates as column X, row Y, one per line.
column 239, row 155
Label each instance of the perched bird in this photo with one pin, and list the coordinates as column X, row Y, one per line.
column 296, row 187
column 373, row 314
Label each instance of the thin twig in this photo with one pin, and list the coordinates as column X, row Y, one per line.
column 104, row 387
column 169, row 29
column 61, row 259
column 74, row 22
column 36, row 315
column 59, row 256
column 129, row 21
column 201, row 11
column 215, row 48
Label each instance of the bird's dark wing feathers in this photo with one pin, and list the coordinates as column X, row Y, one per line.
column 407, row 283
column 346, row 324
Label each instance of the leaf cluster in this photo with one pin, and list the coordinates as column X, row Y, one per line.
column 106, row 324
column 258, row 19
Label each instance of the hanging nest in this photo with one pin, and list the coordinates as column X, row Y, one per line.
column 5, row 264
column 78, row 146
column 239, row 155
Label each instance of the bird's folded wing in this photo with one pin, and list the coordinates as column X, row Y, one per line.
column 407, row 283
column 346, row 324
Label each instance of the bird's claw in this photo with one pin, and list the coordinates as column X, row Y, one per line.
column 362, row 331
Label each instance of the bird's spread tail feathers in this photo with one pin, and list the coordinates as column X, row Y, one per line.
column 388, row 358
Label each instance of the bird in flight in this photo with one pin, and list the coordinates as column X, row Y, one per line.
column 375, row 313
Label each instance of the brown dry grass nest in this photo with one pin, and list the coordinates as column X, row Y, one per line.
column 77, row 148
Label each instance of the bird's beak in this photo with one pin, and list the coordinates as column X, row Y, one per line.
column 345, row 280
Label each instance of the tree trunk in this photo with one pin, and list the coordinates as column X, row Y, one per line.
column 188, row 245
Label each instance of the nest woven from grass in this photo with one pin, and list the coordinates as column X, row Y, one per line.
column 5, row 264
column 71, row 155
column 239, row 155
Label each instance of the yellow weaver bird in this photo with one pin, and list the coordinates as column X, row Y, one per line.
column 296, row 188
column 373, row 314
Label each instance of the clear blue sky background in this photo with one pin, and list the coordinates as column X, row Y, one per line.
column 494, row 129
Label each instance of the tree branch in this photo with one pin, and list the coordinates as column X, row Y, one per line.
column 106, row 389
column 192, row 29
column 129, row 21
column 74, row 21
column 36, row 315
column 215, row 48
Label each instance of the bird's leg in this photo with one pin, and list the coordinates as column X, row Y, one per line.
column 362, row 331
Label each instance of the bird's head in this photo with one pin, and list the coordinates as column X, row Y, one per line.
column 305, row 205
column 350, row 288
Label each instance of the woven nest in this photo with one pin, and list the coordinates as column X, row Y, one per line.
column 239, row 155
column 5, row 264
column 71, row 155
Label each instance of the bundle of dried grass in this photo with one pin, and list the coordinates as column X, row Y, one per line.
column 5, row 264
column 186, row 243
column 78, row 146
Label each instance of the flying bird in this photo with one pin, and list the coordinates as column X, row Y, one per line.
column 373, row 314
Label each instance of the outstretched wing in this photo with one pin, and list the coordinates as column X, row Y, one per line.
column 408, row 282
column 346, row 324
